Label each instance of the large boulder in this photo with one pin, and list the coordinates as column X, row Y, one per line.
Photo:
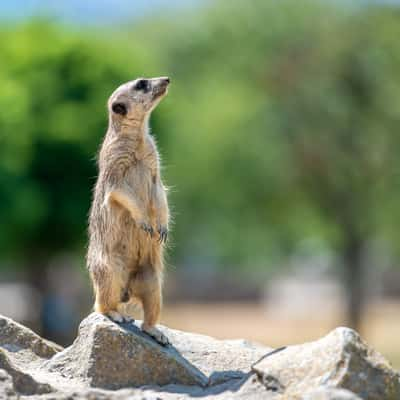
column 21, row 341
column 113, row 356
column 341, row 359
column 23, row 382
column 22, row 350
column 118, row 361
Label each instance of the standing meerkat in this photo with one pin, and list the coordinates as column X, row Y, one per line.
column 128, row 222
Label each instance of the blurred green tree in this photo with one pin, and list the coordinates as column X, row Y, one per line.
column 339, row 118
column 52, row 116
column 283, row 126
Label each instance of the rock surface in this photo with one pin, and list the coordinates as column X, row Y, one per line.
column 327, row 393
column 6, row 386
column 111, row 361
column 22, row 350
column 18, row 339
column 340, row 359
column 113, row 356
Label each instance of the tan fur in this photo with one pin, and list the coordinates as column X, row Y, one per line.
column 129, row 214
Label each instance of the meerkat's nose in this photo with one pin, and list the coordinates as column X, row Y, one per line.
column 165, row 80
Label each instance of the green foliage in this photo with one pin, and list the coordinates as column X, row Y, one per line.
column 52, row 116
column 281, row 124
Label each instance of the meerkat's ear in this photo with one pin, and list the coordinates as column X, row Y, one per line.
column 119, row 108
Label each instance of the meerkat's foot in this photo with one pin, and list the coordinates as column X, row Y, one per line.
column 156, row 334
column 147, row 228
column 126, row 310
column 115, row 316
column 128, row 318
column 162, row 234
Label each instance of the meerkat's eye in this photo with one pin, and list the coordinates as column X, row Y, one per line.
column 119, row 108
column 142, row 84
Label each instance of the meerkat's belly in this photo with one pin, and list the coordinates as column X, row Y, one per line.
column 135, row 247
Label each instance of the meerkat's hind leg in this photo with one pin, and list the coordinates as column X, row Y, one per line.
column 108, row 293
column 147, row 288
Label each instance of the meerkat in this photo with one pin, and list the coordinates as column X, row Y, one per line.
column 128, row 223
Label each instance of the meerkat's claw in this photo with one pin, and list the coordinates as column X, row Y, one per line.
column 147, row 228
column 129, row 319
column 157, row 335
column 163, row 234
column 123, row 310
column 115, row 316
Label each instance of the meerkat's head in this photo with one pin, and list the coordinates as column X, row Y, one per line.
column 135, row 100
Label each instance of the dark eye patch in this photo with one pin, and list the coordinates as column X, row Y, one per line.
column 142, row 84
column 119, row 108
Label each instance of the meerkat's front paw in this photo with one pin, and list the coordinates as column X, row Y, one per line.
column 147, row 228
column 156, row 334
column 162, row 233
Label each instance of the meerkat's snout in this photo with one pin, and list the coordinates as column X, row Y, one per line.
column 161, row 85
column 166, row 79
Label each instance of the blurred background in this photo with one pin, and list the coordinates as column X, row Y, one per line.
column 280, row 141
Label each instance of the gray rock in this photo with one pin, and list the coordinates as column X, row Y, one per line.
column 22, row 350
column 108, row 361
column 112, row 356
column 328, row 393
column 6, row 386
column 340, row 359
column 25, row 344
column 22, row 382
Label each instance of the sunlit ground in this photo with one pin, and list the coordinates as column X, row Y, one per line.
column 381, row 327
